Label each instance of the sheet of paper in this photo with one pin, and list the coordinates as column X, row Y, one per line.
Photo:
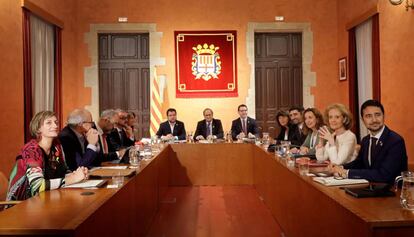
column 87, row 184
column 331, row 181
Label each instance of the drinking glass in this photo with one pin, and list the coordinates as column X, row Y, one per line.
column 190, row 137
column 147, row 152
column 285, row 148
column 266, row 138
column 133, row 157
column 117, row 179
column 407, row 191
column 229, row 138
column 303, row 164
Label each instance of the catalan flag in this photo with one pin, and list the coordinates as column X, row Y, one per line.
column 156, row 115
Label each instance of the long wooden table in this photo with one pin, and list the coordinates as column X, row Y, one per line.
column 301, row 206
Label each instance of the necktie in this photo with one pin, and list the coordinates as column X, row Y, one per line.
column 208, row 129
column 244, row 126
column 373, row 147
column 104, row 144
column 121, row 137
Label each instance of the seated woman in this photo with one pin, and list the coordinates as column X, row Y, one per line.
column 313, row 121
column 282, row 119
column 40, row 166
column 341, row 143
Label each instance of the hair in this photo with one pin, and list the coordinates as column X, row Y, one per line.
column 318, row 116
column 77, row 116
column 298, row 108
column 374, row 103
column 344, row 112
column 242, row 105
column 207, row 109
column 131, row 115
column 109, row 113
column 119, row 111
column 171, row 110
column 37, row 121
column 282, row 113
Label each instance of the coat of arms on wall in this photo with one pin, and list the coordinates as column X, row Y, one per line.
column 206, row 64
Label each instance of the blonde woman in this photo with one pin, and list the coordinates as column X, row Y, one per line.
column 340, row 141
column 41, row 166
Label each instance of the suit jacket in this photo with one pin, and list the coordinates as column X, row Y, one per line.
column 115, row 143
column 236, row 127
column 72, row 150
column 179, row 130
column 387, row 161
column 217, row 128
column 296, row 137
column 111, row 155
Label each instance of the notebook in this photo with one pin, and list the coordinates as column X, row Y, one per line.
column 377, row 190
column 331, row 181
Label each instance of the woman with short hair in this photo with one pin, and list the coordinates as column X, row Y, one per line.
column 40, row 165
column 340, row 141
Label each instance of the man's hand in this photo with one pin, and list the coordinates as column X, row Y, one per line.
column 250, row 135
column 92, row 136
column 167, row 137
column 121, row 152
column 199, row 137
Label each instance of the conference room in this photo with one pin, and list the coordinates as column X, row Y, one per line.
column 206, row 118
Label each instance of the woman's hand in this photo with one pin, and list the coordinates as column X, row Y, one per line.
column 325, row 134
column 77, row 176
column 304, row 150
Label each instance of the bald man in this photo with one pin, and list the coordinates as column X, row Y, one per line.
column 79, row 140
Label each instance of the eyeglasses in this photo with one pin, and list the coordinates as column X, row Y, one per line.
column 91, row 123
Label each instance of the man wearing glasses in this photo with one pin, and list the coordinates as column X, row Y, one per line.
column 244, row 126
column 122, row 135
column 79, row 140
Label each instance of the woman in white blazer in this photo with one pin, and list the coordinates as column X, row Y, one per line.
column 340, row 142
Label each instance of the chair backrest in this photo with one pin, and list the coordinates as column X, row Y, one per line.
column 3, row 186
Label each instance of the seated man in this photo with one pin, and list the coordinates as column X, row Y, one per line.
column 79, row 140
column 243, row 126
column 172, row 128
column 382, row 156
column 105, row 126
column 122, row 135
column 209, row 127
column 297, row 136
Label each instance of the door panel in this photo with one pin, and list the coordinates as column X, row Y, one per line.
column 124, row 78
column 278, row 73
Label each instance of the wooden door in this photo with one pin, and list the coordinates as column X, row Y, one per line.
column 278, row 76
column 124, row 76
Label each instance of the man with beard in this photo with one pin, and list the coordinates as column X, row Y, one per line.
column 296, row 119
column 382, row 156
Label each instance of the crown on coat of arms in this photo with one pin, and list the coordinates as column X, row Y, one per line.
column 205, row 49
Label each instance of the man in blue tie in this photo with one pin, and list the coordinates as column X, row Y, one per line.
column 209, row 128
column 382, row 156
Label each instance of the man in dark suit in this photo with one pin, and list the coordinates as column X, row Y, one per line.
column 244, row 126
column 382, row 156
column 172, row 129
column 209, row 128
column 105, row 126
column 79, row 140
column 296, row 136
column 122, row 135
